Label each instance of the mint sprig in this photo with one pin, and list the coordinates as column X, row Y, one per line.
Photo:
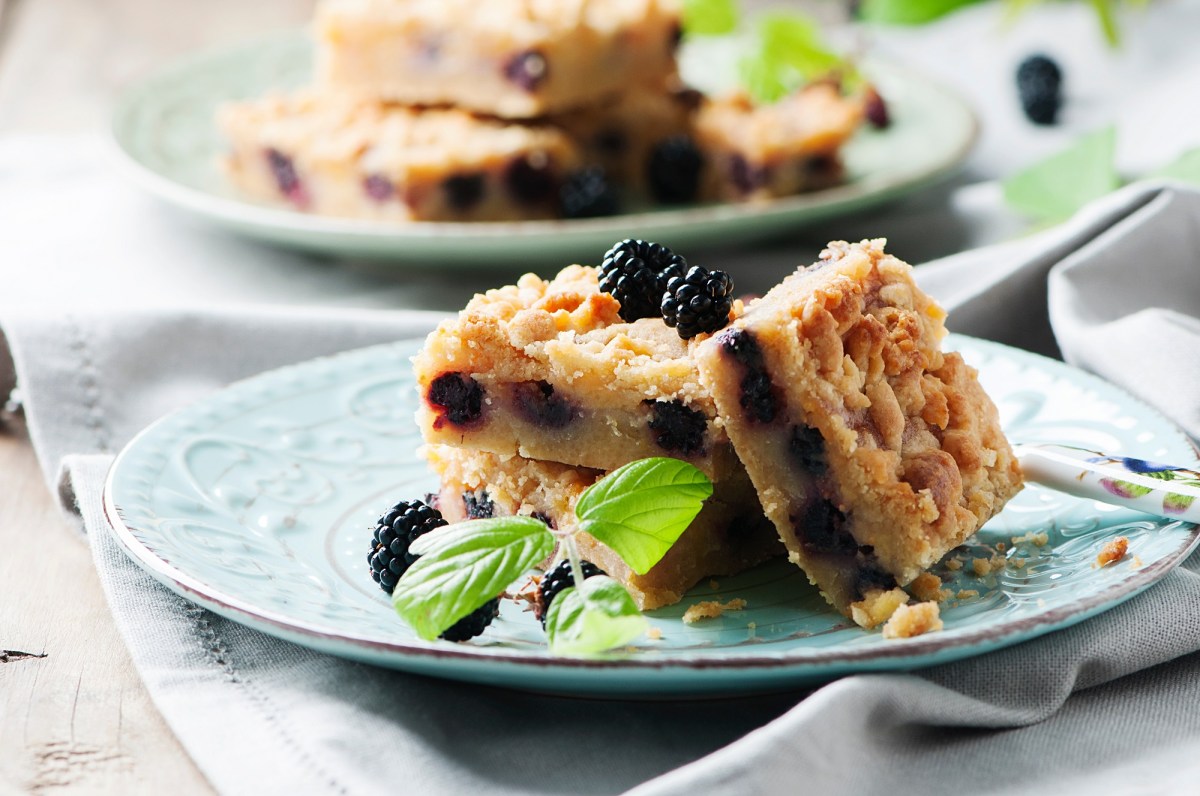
column 790, row 51
column 1053, row 189
column 464, row 565
column 638, row 510
column 710, row 17
column 592, row 617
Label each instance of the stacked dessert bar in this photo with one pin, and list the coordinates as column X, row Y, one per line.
column 457, row 110
column 826, row 413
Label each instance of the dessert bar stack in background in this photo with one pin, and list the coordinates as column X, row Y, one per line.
column 454, row 110
column 825, row 412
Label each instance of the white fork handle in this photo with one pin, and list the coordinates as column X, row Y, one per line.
column 1160, row 489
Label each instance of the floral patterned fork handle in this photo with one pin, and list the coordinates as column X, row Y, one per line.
column 1164, row 490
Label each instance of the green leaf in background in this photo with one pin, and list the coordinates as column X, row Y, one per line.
column 709, row 17
column 639, row 510
column 464, row 565
column 593, row 617
column 761, row 79
column 794, row 40
column 1106, row 15
column 1185, row 168
column 1056, row 187
column 908, row 12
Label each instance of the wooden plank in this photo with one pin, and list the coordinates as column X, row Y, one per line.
column 73, row 712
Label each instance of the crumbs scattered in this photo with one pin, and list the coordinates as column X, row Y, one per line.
column 711, row 609
column 913, row 620
column 981, row 566
column 1036, row 539
column 1136, row 562
column 1019, row 563
column 654, row 634
column 967, row 594
column 877, row 607
column 927, row 586
column 1113, row 551
column 954, row 564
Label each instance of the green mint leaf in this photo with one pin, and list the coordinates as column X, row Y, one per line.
column 639, row 510
column 709, row 17
column 593, row 617
column 762, row 80
column 1056, row 187
column 464, row 565
column 1106, row 15
column 1185, row 168
column 908, row 12
column 794, row 40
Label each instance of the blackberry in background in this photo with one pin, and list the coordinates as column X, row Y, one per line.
column 1039, row 83
column 673, row 172
column 587, row 194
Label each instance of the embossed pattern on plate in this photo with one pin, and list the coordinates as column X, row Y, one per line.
column 165, row 132
column 257, row 503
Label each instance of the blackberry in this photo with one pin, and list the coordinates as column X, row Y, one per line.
column 458, row 396
column 677, row 427
column 473, row 623
column 555, row 581
column 673, row 170
column 876, row 110
column 635, row 273
column 697, row 302
column 587, row 194
column 1039, row 83
column 390, row 558
column 394, row 532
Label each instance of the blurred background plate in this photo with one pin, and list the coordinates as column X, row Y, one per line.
column 165, row 132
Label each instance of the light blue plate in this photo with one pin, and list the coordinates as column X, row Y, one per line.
column 165, row 133
column 258, row 503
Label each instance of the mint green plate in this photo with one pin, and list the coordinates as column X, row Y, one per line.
column 165, row 133
column 258, row 503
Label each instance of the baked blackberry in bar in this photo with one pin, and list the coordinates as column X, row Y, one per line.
column 729, row 535
column 513, row 59
column 338, row 156
column 549, row 370
column 874, row 452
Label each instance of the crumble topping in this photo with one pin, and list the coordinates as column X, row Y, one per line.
column 711, row 609
column 913, row 620
column 1113, row 551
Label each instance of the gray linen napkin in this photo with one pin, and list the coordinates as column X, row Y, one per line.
column 1104, row 702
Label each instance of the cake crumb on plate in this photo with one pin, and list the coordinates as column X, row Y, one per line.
column 913, row 620
column 1113, row 552
column 711, row 609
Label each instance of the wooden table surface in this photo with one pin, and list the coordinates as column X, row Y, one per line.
column 74, row 715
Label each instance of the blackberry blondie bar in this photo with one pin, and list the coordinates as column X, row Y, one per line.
column 873, row 452
column 338, row 156
column 548, row 370
column 508, row 58
column 756, row 151
column 729, row 534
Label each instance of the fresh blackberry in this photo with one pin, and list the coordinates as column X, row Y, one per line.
column 555, row 581
column 673, row 171
column 876, row 110
column 394, row 532
column 587, row 194
column 1039, row 83
column 635, row 273
column 697, row 302
column 390, row 558
column 473, row 623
